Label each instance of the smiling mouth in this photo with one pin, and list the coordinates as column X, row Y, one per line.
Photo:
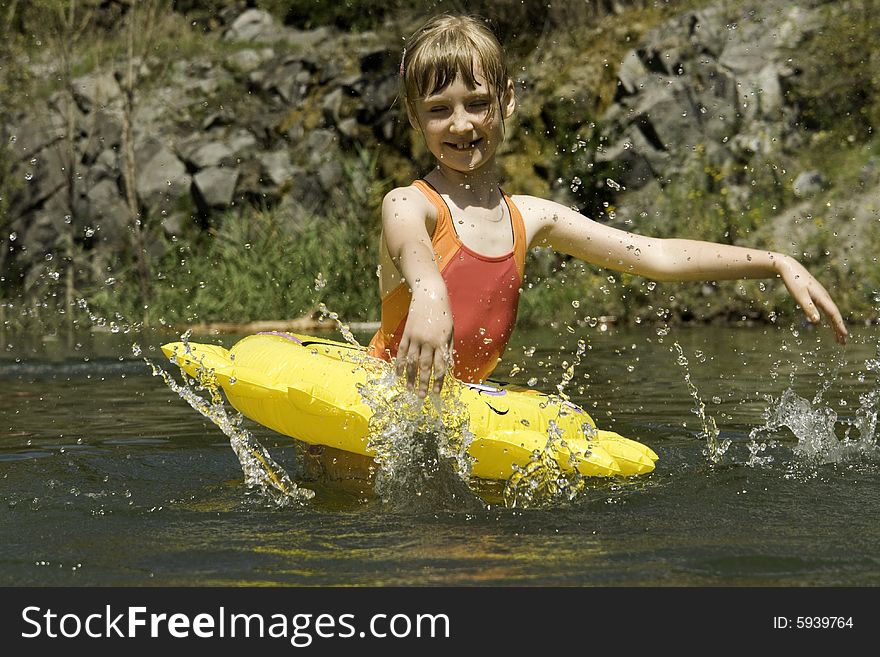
column 463, row 146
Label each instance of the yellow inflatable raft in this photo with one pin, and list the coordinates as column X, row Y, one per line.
column 307, row 388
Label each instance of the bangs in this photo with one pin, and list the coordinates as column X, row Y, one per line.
column 447, row 49
column 443, row 67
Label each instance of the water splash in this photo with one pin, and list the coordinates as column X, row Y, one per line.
column 343, row 328
column 420, row 445
column 262, row 474
column 542, row 482
column 823, row 436
column 715, row 449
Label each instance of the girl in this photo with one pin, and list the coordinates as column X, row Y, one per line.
column 453, row 244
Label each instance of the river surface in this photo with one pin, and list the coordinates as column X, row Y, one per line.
column 108, row 478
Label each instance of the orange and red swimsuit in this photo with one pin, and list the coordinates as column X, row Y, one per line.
column 483, row 295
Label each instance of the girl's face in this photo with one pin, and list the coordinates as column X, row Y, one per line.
column 463, row 127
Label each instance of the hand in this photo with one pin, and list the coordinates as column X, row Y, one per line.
column 809, row 294
column 426, row 343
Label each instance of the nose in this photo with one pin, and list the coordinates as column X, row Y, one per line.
column 461, row 121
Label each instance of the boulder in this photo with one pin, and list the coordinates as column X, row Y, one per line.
column 160, row 176
column 214, row 187
column 253, row 25
column 809, row 183
column 97, row 91
column 277, row 167
column 210, row 154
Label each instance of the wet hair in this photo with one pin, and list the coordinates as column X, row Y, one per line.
column 447, row 47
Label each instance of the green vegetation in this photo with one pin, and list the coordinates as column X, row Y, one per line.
column 262, row 264
column 839, row 84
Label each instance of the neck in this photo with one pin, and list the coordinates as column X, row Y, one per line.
column 482, row 183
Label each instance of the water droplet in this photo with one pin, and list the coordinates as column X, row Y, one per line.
column 29, row 175
column 575, row 304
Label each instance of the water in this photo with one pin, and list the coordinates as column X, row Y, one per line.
column 108, row 478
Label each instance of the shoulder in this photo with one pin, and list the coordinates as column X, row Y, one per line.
column 536, row 207
column 409, row 201
column 539, row 214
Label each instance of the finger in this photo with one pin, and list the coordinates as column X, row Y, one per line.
column 804, row 300
column 426, row 359
column 412, row 367
column 823, row 299
column 439, row 369
column 400, row 361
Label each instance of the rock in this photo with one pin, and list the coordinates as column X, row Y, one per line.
column 377, row 98
column 29, row 135
column 172, row 225
column 808, row 183
column 320, row 146
column 277, row 167
column 215, row 186
column 630, row 74
column 44, row 225
column 632, row 157
column 107, row 213
column 667, row 116
column 245, row 61
column 241, row 140
column 44, row 175
column 290, row 81
column 160, row 175
column 348, row 127
column 105, row 133
column 253, row 25
column 211, row 154
column 330, row 174
column 332, row 105
column 96, row 91
column 106, row 165
column 305, row 40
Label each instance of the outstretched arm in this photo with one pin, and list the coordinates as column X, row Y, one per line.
column 426, row 343
column 675, row 259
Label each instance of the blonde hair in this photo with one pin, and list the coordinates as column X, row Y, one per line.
column 447, row 47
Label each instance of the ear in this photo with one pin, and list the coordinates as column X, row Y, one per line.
column 508, row 100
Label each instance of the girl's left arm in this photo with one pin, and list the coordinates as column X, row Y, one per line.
column 552, row 224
